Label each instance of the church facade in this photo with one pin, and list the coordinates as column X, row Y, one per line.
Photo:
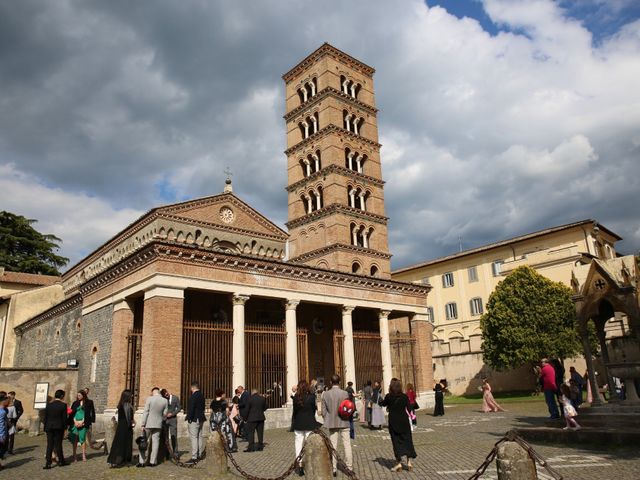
column 211, row 290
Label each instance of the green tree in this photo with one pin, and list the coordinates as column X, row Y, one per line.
column 24, row 249
column 528, row 317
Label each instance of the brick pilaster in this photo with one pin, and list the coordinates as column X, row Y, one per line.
column 161, row 355
column 422, row 329
column 121, row 323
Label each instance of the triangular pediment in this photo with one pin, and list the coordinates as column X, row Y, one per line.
column 604, row 275
column 225, row 211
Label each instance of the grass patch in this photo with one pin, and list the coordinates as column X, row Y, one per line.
column 505, row 397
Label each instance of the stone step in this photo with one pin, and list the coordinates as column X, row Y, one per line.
column 586, row 435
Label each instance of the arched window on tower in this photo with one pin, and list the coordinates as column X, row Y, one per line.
column 355, row 267
column 347, row 120
column 374, row 270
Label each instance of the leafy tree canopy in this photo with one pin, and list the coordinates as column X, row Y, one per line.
column 24, row 249
column 528, row 317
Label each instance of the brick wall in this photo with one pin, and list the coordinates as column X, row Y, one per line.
column 96, row 333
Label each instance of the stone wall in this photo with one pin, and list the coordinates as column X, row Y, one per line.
column 96, row 334
column 460, row 362
column 23, row 382
column 51, row 343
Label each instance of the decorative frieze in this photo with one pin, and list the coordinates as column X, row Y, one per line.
column 326, row 131
column 329, row 92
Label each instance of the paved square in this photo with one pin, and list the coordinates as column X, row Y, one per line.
column 449, row 448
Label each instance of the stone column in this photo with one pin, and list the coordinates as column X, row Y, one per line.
column 349, row 354
column 238, row 339
column 387, row 368
column 422, row 330
column 121, row 323
column 161, row 355
column 292, row 346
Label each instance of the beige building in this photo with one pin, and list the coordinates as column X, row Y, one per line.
column 23, row 295
column 462, row 283
column 210, row 289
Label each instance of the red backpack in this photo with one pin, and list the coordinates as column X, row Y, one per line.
column 346, row 409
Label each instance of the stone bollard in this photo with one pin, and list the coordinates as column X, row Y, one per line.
column 513, row 463
column 216, row 460
column 317, row 459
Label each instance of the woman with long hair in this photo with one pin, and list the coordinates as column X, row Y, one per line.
column 121, row 451
column 78, row 430
column 377, row 412
column 304, row 417
column 398, row 406
column 219, row 419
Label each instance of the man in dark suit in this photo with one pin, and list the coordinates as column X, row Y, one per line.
column 243, row 407
column 195, row 417
column 171, row 418
column 255, row 420
column 55, row 421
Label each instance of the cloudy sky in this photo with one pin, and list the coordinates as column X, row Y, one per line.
column 497, row 117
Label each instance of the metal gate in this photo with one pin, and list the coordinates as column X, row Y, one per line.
column 303, row 355
column 134, row 347
column 403, row 359
column 265, row 362
column 207, row 357
column 368, row 356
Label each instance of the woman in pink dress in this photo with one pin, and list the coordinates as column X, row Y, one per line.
column 489, row 404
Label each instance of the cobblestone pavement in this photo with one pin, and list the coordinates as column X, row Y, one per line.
column 449, row 448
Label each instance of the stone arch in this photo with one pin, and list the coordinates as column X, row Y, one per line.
column 189, row 238
column 171, row 234
column 455, row 334
column 322, row 264
column 356, row 267
column 180, row 237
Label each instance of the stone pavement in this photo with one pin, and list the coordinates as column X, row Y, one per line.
column 449, row 448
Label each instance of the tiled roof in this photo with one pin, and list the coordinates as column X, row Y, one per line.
column 28, row 278
column 502, row 243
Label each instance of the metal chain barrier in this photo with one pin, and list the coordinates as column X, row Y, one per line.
column 249, row 476
column 512, row 436
column 174, row 458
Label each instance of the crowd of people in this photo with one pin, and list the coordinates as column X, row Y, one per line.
column 10, row 412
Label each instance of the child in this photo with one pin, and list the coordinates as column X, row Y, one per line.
column 439, row 409
column 575, row 393
column 569, row 412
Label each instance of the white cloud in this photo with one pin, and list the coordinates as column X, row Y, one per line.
column 81, row 221
column 483, row 136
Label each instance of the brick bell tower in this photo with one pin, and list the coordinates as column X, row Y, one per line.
column 335, row 187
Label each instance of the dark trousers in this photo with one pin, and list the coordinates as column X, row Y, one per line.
column 12, row 439
column 550, row 398
column 54, row 442
column 255, row 427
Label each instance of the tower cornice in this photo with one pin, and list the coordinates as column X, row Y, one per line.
column 333, row 209
column 335, row 169
column 323, row 132
column 339, row 247
column 329, row 92
column 324, row 50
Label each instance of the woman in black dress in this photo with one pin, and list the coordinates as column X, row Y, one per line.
column 398, row 406
column 122, row 445
column 304, row 417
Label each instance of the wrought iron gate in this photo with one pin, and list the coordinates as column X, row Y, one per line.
column 265, row 362
column 403, row 359
column 207, row 356
column 134, row 347
column 367, row 352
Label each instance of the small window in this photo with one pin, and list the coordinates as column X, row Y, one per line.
column 476, row 306
column 355, row 268
column 473, row 274
column 496, row 268
column 94, row 364
column 447, row 280
column 432, row 315
column 451, row 310
column 374, row 270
